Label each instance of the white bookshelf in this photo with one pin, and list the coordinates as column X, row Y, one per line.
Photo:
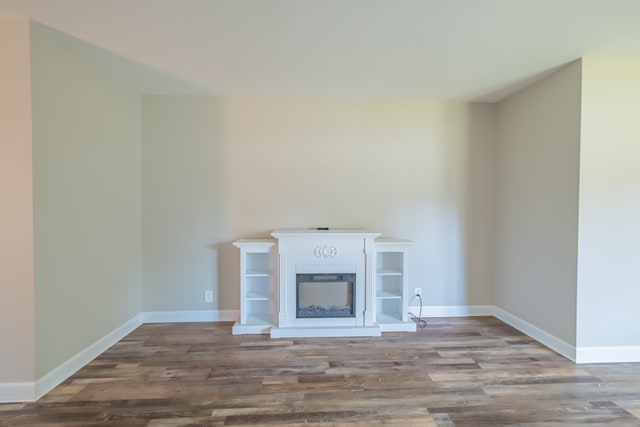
column 258, row 296
column 391, row 285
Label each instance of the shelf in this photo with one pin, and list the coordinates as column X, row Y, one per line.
column 388, row 272
column 389, row 286
column 258, row 273
column 255, row 296
column 387, row 295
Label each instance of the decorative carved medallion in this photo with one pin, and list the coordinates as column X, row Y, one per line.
column 325, row 251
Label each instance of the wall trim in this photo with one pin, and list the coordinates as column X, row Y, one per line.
column 17, row 392
column 554, row 343
column 452, row 310
column 45, row 384
column 190, row 316
column 612, row 354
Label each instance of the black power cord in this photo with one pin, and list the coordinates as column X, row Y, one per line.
column 418, row 319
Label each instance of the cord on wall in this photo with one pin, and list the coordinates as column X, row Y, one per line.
column 418, row 319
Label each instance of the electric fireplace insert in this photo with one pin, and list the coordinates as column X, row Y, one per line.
column 325, row 295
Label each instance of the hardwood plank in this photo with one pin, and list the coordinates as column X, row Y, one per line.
column 469, row 372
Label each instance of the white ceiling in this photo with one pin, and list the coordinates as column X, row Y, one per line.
column 478, row 50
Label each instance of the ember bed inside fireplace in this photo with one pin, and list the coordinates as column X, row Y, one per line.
column 325, row 295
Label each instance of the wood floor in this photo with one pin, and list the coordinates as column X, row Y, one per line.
column 456, row 372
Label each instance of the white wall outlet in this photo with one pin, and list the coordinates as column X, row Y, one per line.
column 417, row 291
column 208, row 296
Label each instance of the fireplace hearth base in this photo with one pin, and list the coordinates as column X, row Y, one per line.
column 336, row 331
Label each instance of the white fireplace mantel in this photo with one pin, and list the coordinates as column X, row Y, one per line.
column 325, row 251
column 330, row 251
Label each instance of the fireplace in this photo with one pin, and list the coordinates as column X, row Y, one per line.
column 325, row 295
column 324, row 283
column 324, row 288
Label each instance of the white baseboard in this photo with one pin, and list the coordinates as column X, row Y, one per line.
column 190, row 316
column 17, row 392
column 556, row 344
column 580, row 355
column 453, row 310
column 614, row 354
column 68, row 368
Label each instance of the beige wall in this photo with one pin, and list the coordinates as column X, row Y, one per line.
column 87, row 201
column 480, row 204
column 17, row 340
column 182, row 202
column 609, row 251
column 217, row 169
column 537, row 217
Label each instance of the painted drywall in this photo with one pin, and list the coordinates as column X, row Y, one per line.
column 537, row 193
column 480, row 204
column 182, row 202
column 17, row 318
column 87, row 201
column 609, row 244
column 219, row 169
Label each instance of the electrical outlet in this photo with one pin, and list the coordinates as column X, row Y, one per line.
column 417, row 291
column 208, row 296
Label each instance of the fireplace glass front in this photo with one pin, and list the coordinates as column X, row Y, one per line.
column 325, row 295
